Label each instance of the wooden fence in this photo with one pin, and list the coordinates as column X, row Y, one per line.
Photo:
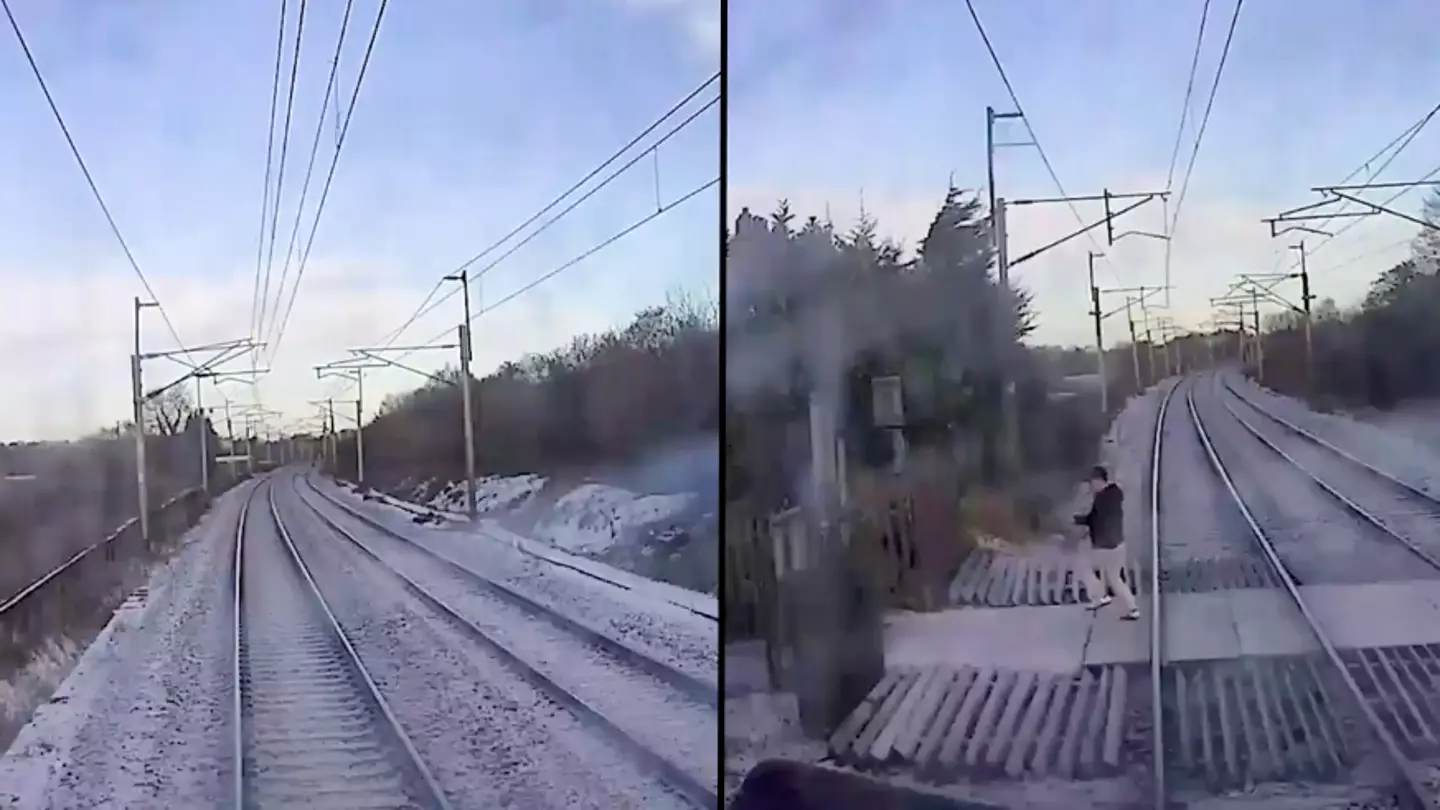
column 908, row 545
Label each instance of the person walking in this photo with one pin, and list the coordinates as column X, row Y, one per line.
column 1106, row 522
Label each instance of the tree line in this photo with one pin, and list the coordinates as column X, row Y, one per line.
column 812, row 310
column 602, row 398
column 1377, row 354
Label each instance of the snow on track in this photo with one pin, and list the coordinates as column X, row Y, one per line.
column 680, row 639
column 314, row 733
column 1321, row 541
column 142, row 720
column 664, row 714
column 490, row 738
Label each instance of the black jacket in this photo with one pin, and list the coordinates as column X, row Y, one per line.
column 1106, row 518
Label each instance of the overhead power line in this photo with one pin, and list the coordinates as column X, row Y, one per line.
column 426, row 306
column 1205, row 119
column 330, row 86
column 1030, row 130
column 1180, row 128
column 591, row 251
column 90, row 179
column 1397, row 145
column 284, row 156
column 1189, row 93
column 329, row 178
column 613, row 176
column 255, row 300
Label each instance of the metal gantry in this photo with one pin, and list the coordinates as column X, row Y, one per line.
column 376, row 357
column 223, row 352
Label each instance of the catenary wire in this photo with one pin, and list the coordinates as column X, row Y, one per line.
column 422, row 310
column 573, row 205
column 284, row 157
column 1205, row 118
column 1398, row 144
column 1180, row 128
column 607, row 242
column 90, row 179
column 329, row 177
column 325, row 104
column 255, row 302
column 345, row 385
column 1030, row 130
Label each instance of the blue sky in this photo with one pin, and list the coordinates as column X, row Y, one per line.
column 472, row 116
column 832, row 99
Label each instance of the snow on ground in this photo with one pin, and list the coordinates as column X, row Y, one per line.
column 649, row 591
column 490, row 737
column 1419, row 420
column 668, row 633
column 1396, row 452
column 592, row 518
column 493, row 493
column 143, row 710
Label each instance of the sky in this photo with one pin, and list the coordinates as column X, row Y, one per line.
column 835, row 104
column 471, row 118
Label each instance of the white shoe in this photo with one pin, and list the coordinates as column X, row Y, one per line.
column 1100, row 604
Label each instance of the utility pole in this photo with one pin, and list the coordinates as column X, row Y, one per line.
column 1110, row 237
column 1099, row 338
column 137, row 389
column 1134, row 346
column 1098, row 315
column 1259, row 337
column 330, row 431
column 360, row 428
column 466, row 397
column 202, row 429
column 1305, row 299
column 990, row 146
column 375, row 359
column 354, row 372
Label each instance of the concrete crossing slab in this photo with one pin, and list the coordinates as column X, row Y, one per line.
column 1113, row 641
column 1269, row 623
column 1198, row 626
column 1036, row 639
column 1377, row 614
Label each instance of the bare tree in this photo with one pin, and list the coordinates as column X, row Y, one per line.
column 166, row 414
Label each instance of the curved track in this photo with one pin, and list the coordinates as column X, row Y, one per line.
column 312, row 729
column 1311, row 514
column 1395, row 507
column 1226, row 725
column 666, row 720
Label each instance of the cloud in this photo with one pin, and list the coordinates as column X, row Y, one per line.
column 1218, row 238
column 697, row 20
column 68, row 338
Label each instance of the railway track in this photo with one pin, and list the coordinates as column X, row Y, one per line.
column 1310, row 722
column 312, row 729
column 666, row 720
column 1382, row 499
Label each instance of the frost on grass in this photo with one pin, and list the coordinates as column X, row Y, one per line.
column 34, row 683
